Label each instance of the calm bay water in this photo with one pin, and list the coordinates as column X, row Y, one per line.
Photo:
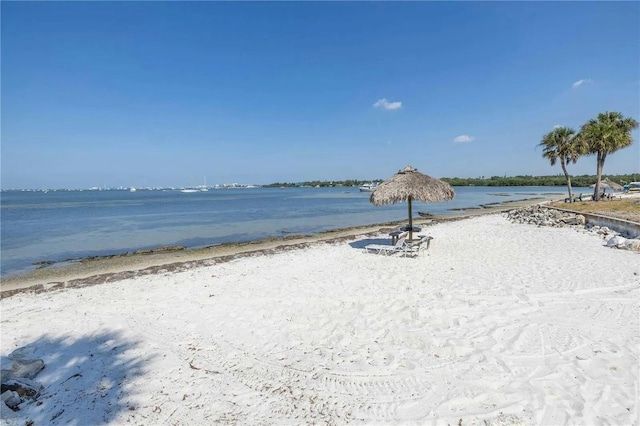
column 60, row 225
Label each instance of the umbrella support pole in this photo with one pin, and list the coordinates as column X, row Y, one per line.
column 410, row 221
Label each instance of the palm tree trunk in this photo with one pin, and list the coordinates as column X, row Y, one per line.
column 600, row 165
column 566, row 175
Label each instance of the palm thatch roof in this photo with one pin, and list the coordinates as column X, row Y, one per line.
column 611, row 184
column 606, row 183
column 407, row 184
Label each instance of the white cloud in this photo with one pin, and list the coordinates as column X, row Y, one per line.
column 581, row 82
column 557, row 126
column 384, row 103
column 463, row 138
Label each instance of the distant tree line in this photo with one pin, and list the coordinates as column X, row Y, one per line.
column 525, row 180
column 557, row 180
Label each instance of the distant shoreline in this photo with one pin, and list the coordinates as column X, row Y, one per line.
column 550, row 181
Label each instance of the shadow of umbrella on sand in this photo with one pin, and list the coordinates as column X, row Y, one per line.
column 408, row 185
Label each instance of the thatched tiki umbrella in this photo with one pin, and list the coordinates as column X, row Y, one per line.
column 611, row 184
column 606, row 183
column 407, row 185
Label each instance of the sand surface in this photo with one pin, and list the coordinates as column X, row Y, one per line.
column 497, row 322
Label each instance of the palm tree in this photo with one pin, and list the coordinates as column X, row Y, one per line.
column 561, row 144
column 605, row 135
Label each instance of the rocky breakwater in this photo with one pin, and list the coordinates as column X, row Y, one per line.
column 18, row 386
column 542, row 216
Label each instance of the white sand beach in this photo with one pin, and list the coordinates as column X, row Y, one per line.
column 497, row 323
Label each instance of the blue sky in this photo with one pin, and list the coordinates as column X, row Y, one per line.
column 165, row 93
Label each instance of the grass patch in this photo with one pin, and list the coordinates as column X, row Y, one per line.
column 626, row 208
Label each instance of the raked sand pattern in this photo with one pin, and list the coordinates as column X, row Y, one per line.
column 496, row 323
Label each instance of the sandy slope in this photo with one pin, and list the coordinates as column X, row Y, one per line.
column 508, row 323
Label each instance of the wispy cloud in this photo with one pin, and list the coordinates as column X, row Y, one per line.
column 384, row 103
column 463, row 138
column 581, row 82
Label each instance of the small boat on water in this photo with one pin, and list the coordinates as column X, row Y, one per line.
column 204, row 188
column 631, row 187
column 199, row 188
column 369, row 187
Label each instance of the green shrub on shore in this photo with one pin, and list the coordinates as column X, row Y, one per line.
column 525, row 180
column 557, row 180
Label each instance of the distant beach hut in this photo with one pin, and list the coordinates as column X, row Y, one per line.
column 608, row 184
column 611, row 184
column 408, row 185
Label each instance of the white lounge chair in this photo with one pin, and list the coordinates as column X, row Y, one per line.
column 399, row 247
column 416, row 247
